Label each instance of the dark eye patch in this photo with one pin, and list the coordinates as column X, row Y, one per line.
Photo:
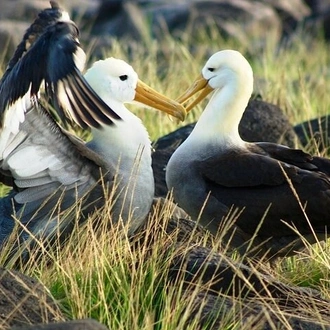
column 123, row 77
column 211, row 69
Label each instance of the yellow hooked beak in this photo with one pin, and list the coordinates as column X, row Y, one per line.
column 200, row 84
column 147, row 95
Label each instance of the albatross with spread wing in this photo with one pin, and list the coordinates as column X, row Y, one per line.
column 49, row 168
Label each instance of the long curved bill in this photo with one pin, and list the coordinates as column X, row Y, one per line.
column 200, row 84
column 147, row 95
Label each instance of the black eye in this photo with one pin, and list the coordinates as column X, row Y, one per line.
column 123, row 77
column 211, row 69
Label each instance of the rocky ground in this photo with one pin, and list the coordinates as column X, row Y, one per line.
column 108, row 18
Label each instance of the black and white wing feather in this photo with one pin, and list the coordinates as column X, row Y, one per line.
column 55, row 59
column 49, row 170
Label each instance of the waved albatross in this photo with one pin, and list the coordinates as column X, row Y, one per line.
column 49, row 168
column 216, row 167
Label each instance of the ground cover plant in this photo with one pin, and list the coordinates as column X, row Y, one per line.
column 123, row 284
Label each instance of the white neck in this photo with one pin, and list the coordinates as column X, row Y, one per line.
column 220, row 120
column 124, row 138
column 126, row 147
column 123, row 141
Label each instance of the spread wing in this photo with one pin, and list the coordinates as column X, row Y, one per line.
column 56, row 60
column 48, row 169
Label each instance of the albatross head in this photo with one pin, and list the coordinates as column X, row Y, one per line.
column 127, row 140
column 226, row 68
column 229, row 76
column 116, row 82
column 113, row 78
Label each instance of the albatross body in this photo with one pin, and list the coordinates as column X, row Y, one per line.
column 214, row 171
column 49, row 168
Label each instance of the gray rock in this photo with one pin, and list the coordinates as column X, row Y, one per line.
column 318, row 6
column 145, row 19
column 188, row 17
column 16, row 16
column 23, row 300
column 320, row 17
column 28, row 10
column 314, row 133
column 291, row 13
column 150, row 18
column 214, row 312
column 263, row 121
column 21, row 10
